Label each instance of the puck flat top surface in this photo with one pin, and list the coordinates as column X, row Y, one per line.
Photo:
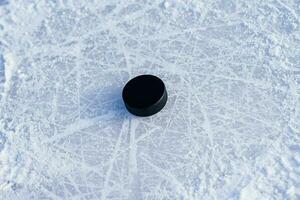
column 144, row 95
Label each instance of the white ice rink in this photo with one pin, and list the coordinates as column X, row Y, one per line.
column 230, row 129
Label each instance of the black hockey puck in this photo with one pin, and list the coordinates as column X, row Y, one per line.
column 145, row 95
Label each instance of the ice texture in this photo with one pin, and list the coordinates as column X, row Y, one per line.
column 230, row 129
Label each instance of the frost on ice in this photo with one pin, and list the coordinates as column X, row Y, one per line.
column 230, row 129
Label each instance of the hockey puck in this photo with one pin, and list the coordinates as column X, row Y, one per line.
column 145, row 95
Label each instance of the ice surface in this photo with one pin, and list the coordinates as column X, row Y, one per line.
column 231, row 127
